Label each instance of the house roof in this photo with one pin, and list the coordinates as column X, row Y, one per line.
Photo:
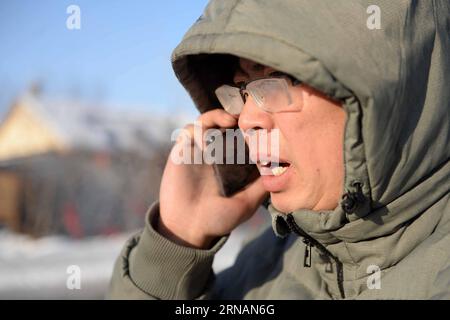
column 94, row 127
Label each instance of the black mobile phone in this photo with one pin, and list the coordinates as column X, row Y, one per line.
column 233, row 177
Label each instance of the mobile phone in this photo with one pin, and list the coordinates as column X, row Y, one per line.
column 234, row 177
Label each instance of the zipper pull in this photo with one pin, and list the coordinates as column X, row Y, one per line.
column 307, row 257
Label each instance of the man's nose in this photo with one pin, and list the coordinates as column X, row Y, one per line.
column 253, row 117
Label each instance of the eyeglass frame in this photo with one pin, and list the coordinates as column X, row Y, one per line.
column 281, row 75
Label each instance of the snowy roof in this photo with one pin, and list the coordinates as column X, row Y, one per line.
column 99, row 128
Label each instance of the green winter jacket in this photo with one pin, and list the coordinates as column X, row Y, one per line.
column 395, row 214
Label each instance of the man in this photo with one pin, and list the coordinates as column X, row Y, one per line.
column 364, row 141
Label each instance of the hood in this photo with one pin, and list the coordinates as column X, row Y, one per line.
column 394, row 84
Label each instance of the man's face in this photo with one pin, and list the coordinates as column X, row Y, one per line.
column 310, row 145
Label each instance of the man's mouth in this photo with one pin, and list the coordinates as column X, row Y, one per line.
column 273, row 168
column 275, row 174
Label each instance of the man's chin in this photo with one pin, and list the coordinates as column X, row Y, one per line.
column 287, row 202
column 282, row 203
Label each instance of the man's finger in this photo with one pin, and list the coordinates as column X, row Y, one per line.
column 217, row 118
column 254, row 193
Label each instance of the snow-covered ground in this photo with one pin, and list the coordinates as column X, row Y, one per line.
column 38, row 268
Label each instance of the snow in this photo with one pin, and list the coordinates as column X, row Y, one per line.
column 37, row 268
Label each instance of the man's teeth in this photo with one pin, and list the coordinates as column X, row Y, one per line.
column 274, row 167
column 276, row 171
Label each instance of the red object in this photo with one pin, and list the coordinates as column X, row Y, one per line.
column 110, row 231
column 71, row 220
column 102, row 159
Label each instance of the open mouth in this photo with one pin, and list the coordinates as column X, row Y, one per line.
column 276, row 169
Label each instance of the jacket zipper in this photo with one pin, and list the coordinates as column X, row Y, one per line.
column 311, row 242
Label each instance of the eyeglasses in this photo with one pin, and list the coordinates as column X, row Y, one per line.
column 271, row 94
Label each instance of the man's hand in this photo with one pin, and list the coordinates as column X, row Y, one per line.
column 192, row 211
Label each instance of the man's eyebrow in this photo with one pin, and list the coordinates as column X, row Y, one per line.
column 258, row 67
column 253, row 67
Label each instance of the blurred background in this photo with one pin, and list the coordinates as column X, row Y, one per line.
column 88, row 102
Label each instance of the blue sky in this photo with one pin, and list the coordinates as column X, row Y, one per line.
column 120, row 56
